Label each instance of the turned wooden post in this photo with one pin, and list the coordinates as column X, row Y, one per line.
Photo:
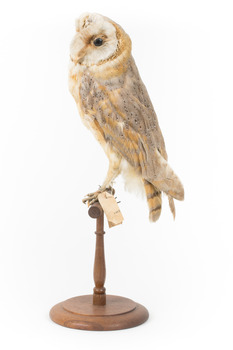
column 98, row 311
column 99, row 296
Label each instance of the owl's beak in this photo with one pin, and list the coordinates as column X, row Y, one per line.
column 79, row 57
column 76, row 60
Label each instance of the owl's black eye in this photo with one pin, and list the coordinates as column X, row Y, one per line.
column 98, row 42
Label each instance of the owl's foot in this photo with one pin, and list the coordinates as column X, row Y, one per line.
column 93, row 197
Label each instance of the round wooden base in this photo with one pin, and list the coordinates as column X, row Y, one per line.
column 80, row 313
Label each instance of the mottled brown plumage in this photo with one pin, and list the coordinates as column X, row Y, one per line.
column 114, row 104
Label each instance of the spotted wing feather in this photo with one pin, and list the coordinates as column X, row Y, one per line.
column 122, row 108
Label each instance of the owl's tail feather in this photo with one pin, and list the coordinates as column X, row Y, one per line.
column 172, row 186
column 172, row 206
column 167, row 181
column 154, row 201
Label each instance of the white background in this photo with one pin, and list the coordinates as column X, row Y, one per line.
column 181, row 271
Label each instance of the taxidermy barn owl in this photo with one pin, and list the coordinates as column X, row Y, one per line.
column 114, row 104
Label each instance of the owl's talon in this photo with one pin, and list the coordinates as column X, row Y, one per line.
column 84, row 200
column 93, row 201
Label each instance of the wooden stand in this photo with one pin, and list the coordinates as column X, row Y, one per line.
column 99, row 312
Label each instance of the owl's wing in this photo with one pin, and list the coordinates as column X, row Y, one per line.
column 125, row 115
column 140, row 108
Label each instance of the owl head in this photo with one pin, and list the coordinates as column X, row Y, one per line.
column 98, row 40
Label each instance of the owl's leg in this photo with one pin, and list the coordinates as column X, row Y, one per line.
column 113, row 172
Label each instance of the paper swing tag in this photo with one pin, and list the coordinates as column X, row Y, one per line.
column 111, row 209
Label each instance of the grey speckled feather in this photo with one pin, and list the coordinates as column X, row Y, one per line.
column 127, row 103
